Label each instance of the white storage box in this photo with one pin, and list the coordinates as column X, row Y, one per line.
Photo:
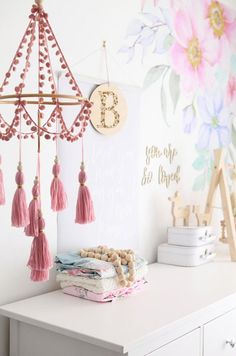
column 185, row 256
column 190, row 235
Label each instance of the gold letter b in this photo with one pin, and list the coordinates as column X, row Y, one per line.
column 106, row 107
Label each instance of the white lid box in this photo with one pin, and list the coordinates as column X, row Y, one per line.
column 185, row 256
column 190, row 235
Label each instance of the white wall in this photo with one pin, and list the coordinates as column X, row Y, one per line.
column 91, row 22
column 81, row 26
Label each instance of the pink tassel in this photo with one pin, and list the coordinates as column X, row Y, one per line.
column 58, row 194
column 20, row 214
column 33, row 229
column 84, row 207
column 40, row 260
column 2, row 190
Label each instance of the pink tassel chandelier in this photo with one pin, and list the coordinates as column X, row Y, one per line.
column 39, row 34
column 40, row 114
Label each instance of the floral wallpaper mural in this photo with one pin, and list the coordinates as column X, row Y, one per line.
column 197, row 41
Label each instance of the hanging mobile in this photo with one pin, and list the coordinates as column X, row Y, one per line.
column 39, row 41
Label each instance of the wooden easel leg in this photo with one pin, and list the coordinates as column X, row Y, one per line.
column 219, row 178
column 228, row 215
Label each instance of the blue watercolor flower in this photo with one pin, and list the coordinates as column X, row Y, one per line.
column 214, row 131
column 189, row 119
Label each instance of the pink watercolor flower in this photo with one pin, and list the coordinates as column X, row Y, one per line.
column 194, row 51
column 231, row 88
column 177, row 4
column 222, row 23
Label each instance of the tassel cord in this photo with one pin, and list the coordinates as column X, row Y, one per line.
column 56, row 90
column 39, row 123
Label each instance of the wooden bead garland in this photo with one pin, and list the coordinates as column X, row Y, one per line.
column 117, row 258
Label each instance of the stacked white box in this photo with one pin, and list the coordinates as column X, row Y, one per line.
column 190, row 235
column 188, row 246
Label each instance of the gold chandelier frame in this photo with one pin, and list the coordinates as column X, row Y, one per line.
column 74, row 100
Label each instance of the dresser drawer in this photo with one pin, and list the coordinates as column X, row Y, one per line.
column 220, row 336
column 187, row 345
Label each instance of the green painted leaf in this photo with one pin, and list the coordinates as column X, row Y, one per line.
column 174, row 88
column 164, row 104
column 154, row 74
column 200, row 150
column 199, row 182
column 168, row 41
column 233, row 136
column 200, row 163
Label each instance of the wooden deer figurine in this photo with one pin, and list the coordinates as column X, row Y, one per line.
column 178, row 211
column 202, row 218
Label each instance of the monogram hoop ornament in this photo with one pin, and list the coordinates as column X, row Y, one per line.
column 109, row 110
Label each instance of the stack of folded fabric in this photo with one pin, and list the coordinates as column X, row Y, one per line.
column 101, row 274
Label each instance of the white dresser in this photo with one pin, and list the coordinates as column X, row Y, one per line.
column 181, row 312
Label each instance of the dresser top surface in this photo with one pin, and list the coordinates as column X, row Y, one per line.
column 174, row 297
